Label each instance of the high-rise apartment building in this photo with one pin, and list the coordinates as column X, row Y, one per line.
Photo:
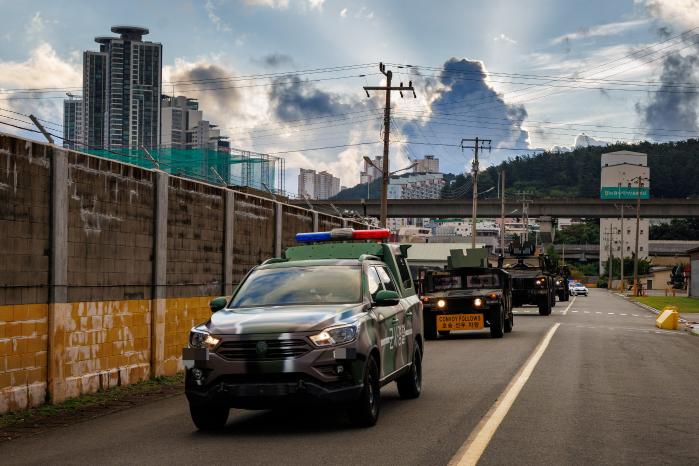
column 94, row 96
column 72, row 123
column 182, row 126
column 428, row 164
column 122, row 84
column 321, row 185
column 306, row 186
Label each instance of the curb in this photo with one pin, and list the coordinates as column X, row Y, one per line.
column 692, row 329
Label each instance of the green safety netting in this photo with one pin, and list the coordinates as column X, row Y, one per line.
column 217, row 167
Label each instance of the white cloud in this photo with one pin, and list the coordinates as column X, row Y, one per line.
column 364, row 13
column 683, row 13
column 284, row 4
column 37, row 24
column 44, row 68
column 609, row 29
column 214, row 18
column 343, row 13
column 503, row 38
column 583, row 140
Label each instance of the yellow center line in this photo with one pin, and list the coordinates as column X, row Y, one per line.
column 476, row 443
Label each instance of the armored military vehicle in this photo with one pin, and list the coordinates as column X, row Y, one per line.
column 467, row 295
column 532, row 280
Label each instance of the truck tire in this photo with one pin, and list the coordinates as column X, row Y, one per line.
column 209, row 416
column 509, row 322
column 410, row 383
column 497, row 325
column 544, row 306
column 430, row 326
column 553, row 299
column 364, row 412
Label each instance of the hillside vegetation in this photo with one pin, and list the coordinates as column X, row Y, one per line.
column 674, row 171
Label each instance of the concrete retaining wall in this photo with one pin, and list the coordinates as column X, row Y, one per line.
column 105, row 266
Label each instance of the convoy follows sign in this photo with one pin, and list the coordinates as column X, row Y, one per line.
column 623, row 192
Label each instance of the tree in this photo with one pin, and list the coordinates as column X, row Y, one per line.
column 686, row 229
column 579, row 233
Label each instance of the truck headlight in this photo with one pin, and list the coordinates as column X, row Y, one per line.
column 478, row 302
column 540, row 281
column 441, row 303
column 335, row 336
column 202, row 339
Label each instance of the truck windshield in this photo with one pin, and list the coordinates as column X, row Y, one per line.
column 300, row 285
column 460, row 281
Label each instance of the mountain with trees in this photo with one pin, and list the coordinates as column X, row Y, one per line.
column 674, row 170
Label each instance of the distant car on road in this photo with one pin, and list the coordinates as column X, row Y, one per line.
column 578, row 289
column 328, row 323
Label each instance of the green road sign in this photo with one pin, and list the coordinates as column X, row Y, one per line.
column 623, row 192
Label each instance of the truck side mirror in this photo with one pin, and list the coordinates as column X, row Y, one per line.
column 217, row 304
column 387, row 298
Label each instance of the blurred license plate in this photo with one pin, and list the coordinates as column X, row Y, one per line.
column 460, row 322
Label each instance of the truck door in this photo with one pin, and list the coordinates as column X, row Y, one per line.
column 400, row 344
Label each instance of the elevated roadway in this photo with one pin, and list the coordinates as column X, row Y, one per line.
column 561, row 207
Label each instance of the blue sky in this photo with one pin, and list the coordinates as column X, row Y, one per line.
column 41, row 44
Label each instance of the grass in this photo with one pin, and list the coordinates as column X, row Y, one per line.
column 683, row 303
column 88, row 404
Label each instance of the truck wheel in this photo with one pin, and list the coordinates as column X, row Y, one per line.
column 365, row 411
column 209, row 416
column 566, row 295
column 410, row 383
column 509, row 323
column 497, row 325
column 544, row 306
column 553, row 299
column 430, row 326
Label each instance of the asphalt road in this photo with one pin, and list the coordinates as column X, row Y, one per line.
column 608, row 389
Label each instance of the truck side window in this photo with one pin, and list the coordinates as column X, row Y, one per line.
column 374, row 282
column 404, row 272
column 386, row 279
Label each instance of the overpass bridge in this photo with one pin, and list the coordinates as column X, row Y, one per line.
column 490, row 208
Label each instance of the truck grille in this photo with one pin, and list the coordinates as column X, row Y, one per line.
column 251, row 350
column 520, row 283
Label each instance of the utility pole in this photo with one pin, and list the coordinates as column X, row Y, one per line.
column 502, row 212
column 623, row 248
column 610, row 260
column 386, row 132
column 476, row 145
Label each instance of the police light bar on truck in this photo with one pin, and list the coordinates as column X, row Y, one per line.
column 342, row 234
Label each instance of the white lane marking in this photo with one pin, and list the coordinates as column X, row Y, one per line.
column 598, row 312
column 573, row 311
column 476, row 443
column 610, row 313
column 619, row 314
column 571, row 303
column 586, row 312
column 635, row 315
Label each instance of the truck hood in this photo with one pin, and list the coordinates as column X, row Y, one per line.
column 281, row 319
column 465, row 293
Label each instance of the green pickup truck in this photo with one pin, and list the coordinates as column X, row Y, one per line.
column 332, row 321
